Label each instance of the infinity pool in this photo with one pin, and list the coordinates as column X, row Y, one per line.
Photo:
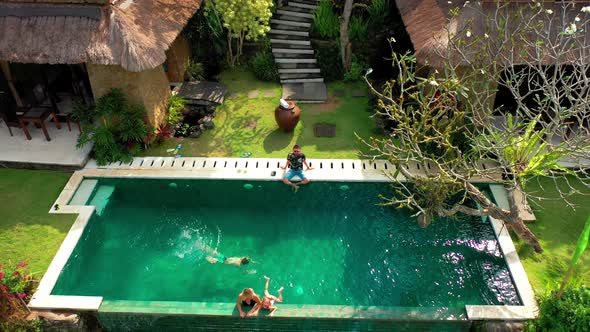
column 327, row 244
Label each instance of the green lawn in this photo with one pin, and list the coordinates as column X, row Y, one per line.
column 558, row 228
column 27, row 231
column 233, row 133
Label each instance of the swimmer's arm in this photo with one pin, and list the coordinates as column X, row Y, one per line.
column 211, row 260
column 239, row 305
column 305, row 163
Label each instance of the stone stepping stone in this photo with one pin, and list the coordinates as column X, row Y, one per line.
column 359, row 93
column 269, row 93
column 253, row 94
column 235, row 95
column 339, row 93
column 324, row 130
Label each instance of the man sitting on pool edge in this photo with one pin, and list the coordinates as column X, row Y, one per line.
column 296, row 160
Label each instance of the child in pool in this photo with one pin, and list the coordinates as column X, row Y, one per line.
column 268, row 301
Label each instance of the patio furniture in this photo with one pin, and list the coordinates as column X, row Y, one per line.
column 38, row 115
column 8, row 114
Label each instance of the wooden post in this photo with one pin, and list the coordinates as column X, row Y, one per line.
column 8, row 76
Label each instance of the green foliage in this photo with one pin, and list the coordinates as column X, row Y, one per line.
column 81, row 113
column 247, row 20
column 357, row 70
column 208, row 41
column 175, row 108
column 195, row 71
column 118, row 131
column 358, row 30
column 15, row 282
column 328, row 59
column 570, row 313
column 22, row 325
column 325, row 22
column 186, row 129
column 378, row 12
column 263, row 65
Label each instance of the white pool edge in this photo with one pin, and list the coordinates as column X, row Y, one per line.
column 254, row 169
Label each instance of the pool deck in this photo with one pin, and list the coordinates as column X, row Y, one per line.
column 267, row 169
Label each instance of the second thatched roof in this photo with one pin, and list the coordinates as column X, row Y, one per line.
column 131, row 33
column 431, row 27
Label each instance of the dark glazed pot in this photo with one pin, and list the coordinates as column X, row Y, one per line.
column 287, row 118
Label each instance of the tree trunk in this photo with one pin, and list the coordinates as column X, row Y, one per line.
column 345, row 47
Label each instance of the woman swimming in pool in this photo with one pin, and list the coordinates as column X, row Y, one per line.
column 248, row 298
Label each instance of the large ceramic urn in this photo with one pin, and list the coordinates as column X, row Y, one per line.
column 287, row 117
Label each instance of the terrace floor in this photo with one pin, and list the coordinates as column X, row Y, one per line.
column 59, row 153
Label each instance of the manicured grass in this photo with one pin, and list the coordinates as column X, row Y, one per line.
column 27, row 231
column 233, row 133
column 558, row 228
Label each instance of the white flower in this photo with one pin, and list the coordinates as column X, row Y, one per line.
column 571, row 29
column 433, row 83
column 585, row 9
column 485, row 35
column 392, row 40
column 468, row 34
column 549, row 11
column 577, row 19
column 449, row 2
column 482, row 71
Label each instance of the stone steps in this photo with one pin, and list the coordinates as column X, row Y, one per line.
column 294, row 60
column 299, row 71
column 299, row 74
column 294, row 13
column 302, row 5
column 289, row 32
column 292, row 51
column 306, row 25
column 303, row 80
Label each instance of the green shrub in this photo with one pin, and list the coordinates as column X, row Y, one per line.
column 175, row 108
column 195, row 71
column 571, row 313
column 357, row 70
column 263, row 65
column 358, row 30
column 119, row 131
column 325, row 22
column 378, row 12
column 328, row 59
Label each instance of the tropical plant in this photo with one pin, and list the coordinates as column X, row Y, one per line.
column 358, row 30
column 581, row 246
column 328, row 59
column 355, row 73
column 119, row 130
column 570, row 313
column 455, row 99
column 175, row 108
column 81, row 113
column 378, row 12
column 263, row 65
column 325, row 21
column 244, row 20
column 195, row 71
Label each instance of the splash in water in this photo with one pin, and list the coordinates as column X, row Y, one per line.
column 195, row 242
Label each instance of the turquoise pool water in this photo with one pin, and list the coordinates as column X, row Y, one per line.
column 327, row 244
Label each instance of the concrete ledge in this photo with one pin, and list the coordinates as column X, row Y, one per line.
column 64, row 302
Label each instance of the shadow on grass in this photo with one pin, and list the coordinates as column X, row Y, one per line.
column 277, row 140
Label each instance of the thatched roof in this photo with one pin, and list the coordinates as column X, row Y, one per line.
column 132, row 33
column 428, row 23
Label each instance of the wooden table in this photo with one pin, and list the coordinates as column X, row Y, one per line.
column 38, row 115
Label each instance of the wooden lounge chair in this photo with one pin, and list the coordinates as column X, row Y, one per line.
column 8, row 113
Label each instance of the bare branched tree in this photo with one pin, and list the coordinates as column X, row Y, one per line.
column 446, row 122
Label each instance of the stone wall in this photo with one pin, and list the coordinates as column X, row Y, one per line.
column 149, row 87
column 177, row 59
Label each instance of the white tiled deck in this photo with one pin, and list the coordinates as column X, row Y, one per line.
column 61, row 151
